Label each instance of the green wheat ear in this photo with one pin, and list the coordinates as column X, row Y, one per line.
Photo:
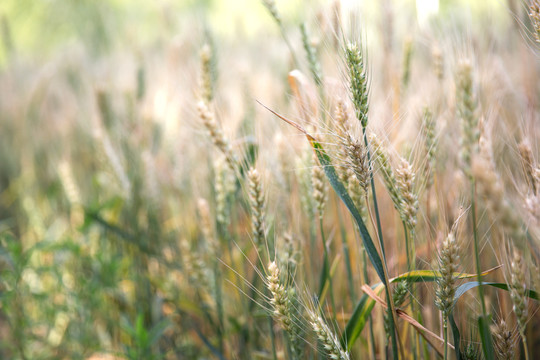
column 329, row 341
column 358, row 82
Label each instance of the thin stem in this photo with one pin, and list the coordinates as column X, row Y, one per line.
column 445, row 334
column 371, row 339
column 346, row 255
column 326, row 269
column 391, row 310
column 525, row 347
column 411, row 265
column 476, row 250
column 219, row 305
column 272, row 337
column 428, row 213
column 407, row 247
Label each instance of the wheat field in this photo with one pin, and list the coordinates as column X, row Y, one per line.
column 269, row 180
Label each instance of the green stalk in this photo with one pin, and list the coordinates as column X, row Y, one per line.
column 346, row 255
column 219, row 305
column 366, row 280
column 272, row 337
column 326, row 270
column 476, row 251
column 525, row 347
column 391, row 310
column 445, row 334
column 407, row 247
column 410, row 267
column 312, row 242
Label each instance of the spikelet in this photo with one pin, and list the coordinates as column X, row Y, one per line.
column 504, row 341
column 470, row 352
column 438, row 64
column 358, row 195
column 467, row 113
column 72, row 192
column 320, row 188
column 518, row 291
column 428, row 125
column 328, row 339
column 342, row 126
column 341, row 117
column 289, row 257
column 409, row 199
column 256, row 201
column 446, row 283
column 358, row 161
column 194, row 265
column 207, row 92
column 358, row 82
column 406, row 63
column 283, row 308
column 355, row 172
column 68, row 182
column 216, row 134
column 223, row 187
column 279, row 299
column 534, row 15
column 529, row 165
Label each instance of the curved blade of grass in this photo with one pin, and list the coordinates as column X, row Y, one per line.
column 369, row 246
column 340, row 190
column 324, row 290
column 324, row 279
column 344, row 195
column 457, row 336
column 463, row 288
column 363, row 309
column 359, row 318
column 483, row 322
column 485, row 335
column 403, row 315
column 432, row 275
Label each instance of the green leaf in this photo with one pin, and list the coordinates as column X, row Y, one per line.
column 358, row 320
column 344, row 196
column 363, row 309
column 485, row 335
column 483, row 322
column 324, row 278
column 457, row 336
column 371, row 250
column 463, row 288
